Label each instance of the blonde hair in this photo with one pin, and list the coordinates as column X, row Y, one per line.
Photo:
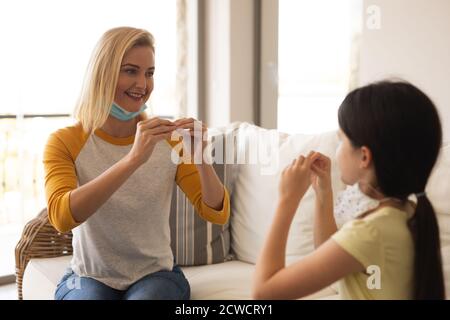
column 99, row 87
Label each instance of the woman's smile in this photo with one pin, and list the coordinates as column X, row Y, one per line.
column 135, row 96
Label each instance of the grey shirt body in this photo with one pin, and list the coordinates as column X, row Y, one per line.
column 128, row 237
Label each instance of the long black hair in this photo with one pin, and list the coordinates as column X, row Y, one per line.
column 401, row 127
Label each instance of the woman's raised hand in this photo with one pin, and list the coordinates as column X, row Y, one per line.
column 198, row 140
column 148, row 133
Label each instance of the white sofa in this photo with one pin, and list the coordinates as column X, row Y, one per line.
column 253, row 198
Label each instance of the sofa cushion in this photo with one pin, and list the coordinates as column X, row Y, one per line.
column 195, row 241
column 232, row 281
column 42, row 276
column 228, row 280
column 223, row 281
column 256, row 195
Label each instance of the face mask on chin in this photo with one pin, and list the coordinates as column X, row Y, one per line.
column 352, row 203
column 124, row 115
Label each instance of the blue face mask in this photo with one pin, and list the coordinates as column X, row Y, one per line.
column 124, row 115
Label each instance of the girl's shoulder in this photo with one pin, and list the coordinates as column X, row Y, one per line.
column 387, row 217
column 408, row 208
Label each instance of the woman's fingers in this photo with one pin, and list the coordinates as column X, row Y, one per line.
column 157, row 128
column 191, row 126
column 162, row 136
column 183, row 121
column 160, row 129
column 189, row 123
column 155, row 122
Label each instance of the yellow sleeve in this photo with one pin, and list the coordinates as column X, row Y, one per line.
column 60, row 177
column 361, row 240
column 188, row 179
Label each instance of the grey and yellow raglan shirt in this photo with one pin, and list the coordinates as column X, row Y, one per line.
column 128, row 237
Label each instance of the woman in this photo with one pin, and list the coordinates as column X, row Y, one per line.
column 109, row 179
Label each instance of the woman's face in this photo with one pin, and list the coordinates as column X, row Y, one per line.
column 348, row 159
column 135, row 82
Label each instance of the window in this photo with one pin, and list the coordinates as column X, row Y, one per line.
column 47, row 54
column 316, row 43
column 46, row 48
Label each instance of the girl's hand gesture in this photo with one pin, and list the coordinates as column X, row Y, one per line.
column 295, row 180
column 321, row 175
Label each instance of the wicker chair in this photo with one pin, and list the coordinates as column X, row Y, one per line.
column 39, row 240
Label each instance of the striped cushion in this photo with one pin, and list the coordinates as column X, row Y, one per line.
column 195, row 241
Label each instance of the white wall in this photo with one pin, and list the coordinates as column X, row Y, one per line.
column 413, row 43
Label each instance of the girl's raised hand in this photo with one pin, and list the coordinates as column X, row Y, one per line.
column 321, row 174
column 295, row 180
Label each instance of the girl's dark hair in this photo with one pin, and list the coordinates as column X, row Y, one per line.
column 401, row 127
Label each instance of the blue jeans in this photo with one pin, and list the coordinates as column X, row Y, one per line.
column 161, row 285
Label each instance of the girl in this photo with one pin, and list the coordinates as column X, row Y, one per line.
column 109, row 179
column 390, row 136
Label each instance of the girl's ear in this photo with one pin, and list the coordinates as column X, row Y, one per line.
column 366, row 158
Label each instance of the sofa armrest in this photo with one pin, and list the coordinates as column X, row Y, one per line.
column 39, row 240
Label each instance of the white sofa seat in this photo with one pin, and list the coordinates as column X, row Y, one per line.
column 224, row 281
column 42, row 276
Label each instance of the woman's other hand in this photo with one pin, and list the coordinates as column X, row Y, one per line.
column 198, row 133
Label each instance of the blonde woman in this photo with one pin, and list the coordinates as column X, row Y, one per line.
column 109, row 179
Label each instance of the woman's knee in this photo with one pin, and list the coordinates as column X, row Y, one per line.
column 73, row 287
column 163, row 285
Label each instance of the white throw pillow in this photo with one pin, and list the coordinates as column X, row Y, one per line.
column 256, row 196
column 300, row 240
column 253, row 199
column 438, row 191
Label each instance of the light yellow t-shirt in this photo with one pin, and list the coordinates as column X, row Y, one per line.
column 383, row 243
